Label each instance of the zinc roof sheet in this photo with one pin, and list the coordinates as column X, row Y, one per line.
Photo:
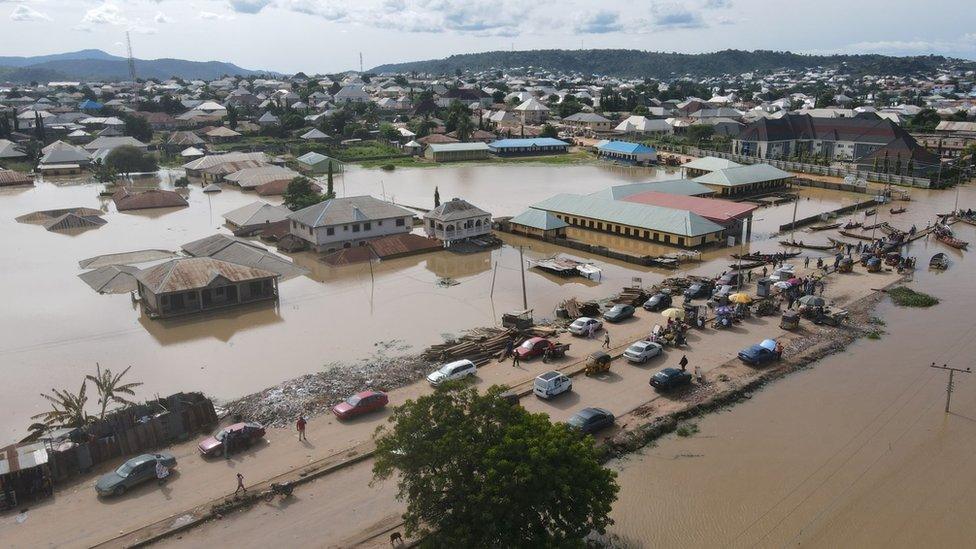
column 657, row 218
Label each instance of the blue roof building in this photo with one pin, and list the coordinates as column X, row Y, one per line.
column 625, row 151
column 89, row 105
column 528, row 146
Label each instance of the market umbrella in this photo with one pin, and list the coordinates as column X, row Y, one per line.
column 740, row 298
column 673, row 313
column 782, row 285
column 768, row 344
column 812, row 301
column 794, row 281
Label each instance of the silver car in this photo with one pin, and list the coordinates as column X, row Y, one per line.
column 640, row 352
column 582, row 326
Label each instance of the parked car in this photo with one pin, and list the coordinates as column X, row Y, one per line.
column 533, row 347
column 245, row 434
column 766, row 351
column 132, row 473
column 550, row 384
column 591, row 420
column 640, row 352
column 669, row 378
column 581, row 326
column 722, row 291
column 728, row 279
column 658, row 302
column 360, row 403
column 454, row 370
column 698, row 289
column 618, row 313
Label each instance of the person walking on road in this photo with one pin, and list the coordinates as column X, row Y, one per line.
column 806, row 262
column 606, row 340
column 161, row 473
column 240, row 484
column 683, row 362
column 300, row 424
column 515, row 360
column 699, row 375
column 509, row 346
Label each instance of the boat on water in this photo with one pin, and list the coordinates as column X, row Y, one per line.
column 793, row 244
column 950, row 240
column 852, row 225
column 746, row 265
column 898, row 210
column 855, row 235
column 827, row 227
column 939, row 261
column 869, row 213
column 765, row 258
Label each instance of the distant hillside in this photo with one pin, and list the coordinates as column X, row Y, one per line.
column 98, row 65
column 636, row 63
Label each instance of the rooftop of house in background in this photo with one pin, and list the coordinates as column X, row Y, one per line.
column 348, row 210
column 685, row 187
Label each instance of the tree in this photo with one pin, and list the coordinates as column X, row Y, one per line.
column 330, row 189
column 389, row 132
column 548, row 130
column 700, row 132
column 301, row 194
column 39, row 127
column 128, row 159
column 110, row 387
column 137, row 127
column 67, row 410
column 232, row 117
column 465, row 127
column 437, row 197
column 925, row 121
column 476, row 471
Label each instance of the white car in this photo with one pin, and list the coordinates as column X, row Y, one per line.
column 582, row 326
column 550, row 384
column 451, row 371
column 640, row 352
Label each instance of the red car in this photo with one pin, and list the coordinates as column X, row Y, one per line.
column 533, row 347
column 360, row 403
column 242, row 435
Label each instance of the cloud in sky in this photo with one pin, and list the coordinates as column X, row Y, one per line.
column 248, row 6
column 27, row 13
column 599, row 22
column 162, row 19
column 209, row 15
column 106, row 14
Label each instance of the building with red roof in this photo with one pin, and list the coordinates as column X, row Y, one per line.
column 726, row 213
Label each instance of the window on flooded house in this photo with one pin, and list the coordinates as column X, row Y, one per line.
column 330, row 231
column 400, row 222
column 355, row 227
column 367, row 226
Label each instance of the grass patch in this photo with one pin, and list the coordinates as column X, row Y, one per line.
column 907, row 297
column 687, row 430
column 875, row 334
column 877, row 321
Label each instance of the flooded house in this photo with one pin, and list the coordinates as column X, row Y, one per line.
column 347, row 222
column 155, row 198
column 197, row 284
column 457, row 219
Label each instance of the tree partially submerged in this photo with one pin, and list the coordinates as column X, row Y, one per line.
column 476, row 471
column 301, row 194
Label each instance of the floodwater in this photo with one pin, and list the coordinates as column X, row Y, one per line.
column 55, row 328
column 854, row 452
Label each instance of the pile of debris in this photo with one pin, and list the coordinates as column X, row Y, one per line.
column 478, row 346
column 315, row 394
column 632, row 295
column 678, row 284
column 574, row 309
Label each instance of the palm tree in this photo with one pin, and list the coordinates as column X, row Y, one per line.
column 67, row 410
column 109, row 389
column 464, row 127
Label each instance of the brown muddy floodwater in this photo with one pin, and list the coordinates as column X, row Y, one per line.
column 854, row 452
column 55, row 328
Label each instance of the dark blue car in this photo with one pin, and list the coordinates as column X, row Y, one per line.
column 669, row 378
column 757, row 355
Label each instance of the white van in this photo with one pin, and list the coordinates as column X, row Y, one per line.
column 451, row 371
column 550, row 384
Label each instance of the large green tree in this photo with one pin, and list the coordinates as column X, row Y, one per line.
column 128, row 159
column 137, row 127
column 301, row 194
column 476, row 471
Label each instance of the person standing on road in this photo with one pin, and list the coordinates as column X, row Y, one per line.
column 764, row 271
column 509, row 346
column 240, row 484
column 699, row 375
column 161, row 473
column 683, row 362
column 515, row 359
column 806, row 262
column 300, row 424
column 606, row 340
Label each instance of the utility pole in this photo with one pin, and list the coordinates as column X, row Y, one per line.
column 950, row 387
column 525, row 299
column 132, row 60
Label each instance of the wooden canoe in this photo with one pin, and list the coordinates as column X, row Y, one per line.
column 806, row 246
column 855, row 235
column 952, row 241
column 824, row 227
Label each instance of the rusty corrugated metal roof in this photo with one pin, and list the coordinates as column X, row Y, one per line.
column 194, row 273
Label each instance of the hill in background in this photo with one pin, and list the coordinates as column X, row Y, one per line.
column 87, row 65
column 660, row 65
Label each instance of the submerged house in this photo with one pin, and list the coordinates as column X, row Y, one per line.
column 196, row 284
column 457, row 219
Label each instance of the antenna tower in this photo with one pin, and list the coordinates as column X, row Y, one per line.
column 360, row 62
column 132, row 60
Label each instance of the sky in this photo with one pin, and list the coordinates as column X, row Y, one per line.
column 321, row 36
